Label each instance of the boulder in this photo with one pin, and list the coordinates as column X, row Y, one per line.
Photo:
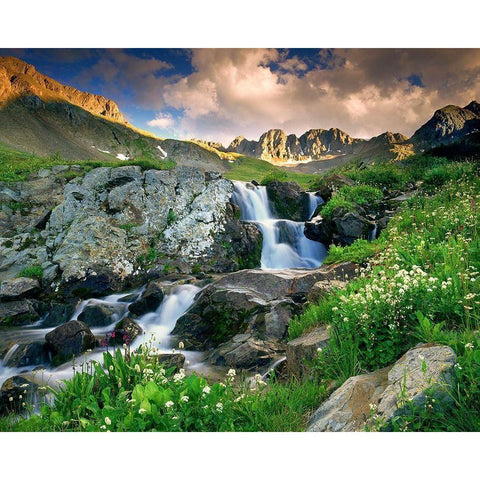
column 126, row 331
column 18, row 312
column 351, row 226
column 98, row 315
column 150, row 300
column 171, row 360
column 289, row 200
column 71, row 338
column 319, row 230
column 16, row 288
column 245, row 351
column 303, row 350
column 349, row 407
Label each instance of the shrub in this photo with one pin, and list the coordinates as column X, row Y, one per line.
column 35, row 271
column 274, row 175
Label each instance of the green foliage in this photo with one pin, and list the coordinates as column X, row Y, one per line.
column 132, row 391
column 128, row 227
column 16, row 166
column 358, row 252
column 274, row 176
column 380, row 175
column 35, row 271
column 422, row 284
column 360, row 194
column 336, row 202
column 171, row 217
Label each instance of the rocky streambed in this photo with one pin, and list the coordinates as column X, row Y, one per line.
column 118, row 254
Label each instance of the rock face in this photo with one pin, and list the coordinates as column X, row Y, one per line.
column 97, row 315
column 275, row 146
column 244, row 316
column 19, row 312
column 107, row 228
column 71, row 338
column 149, row 301
column 26, row 354
column 342, row 229
column 15, row 393
column 304, row 349
column 289, row 200
column 349, row 407
column 18, row 78
column 447, row 125
column 17, row 288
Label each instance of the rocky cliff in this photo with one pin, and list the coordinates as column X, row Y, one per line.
column 447, row 125
column 18, row 79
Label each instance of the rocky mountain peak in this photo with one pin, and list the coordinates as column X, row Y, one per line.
column 19, row 79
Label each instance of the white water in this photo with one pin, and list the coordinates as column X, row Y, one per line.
column 159, row 323
column 284, row 244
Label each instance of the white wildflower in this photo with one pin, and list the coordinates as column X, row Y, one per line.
column 206, row 389
column 185, row 399
column 108, row 421
column 169, row 404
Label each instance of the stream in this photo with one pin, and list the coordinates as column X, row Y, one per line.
column 284, row 246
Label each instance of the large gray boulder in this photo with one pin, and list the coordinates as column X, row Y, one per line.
column 388, row 391
column 17, row 288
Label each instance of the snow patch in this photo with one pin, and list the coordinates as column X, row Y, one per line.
column 121, row 156
column 162, row 151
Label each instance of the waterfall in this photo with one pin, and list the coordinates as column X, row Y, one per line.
column 160, row 323
column 314, row 202
column 284, row 244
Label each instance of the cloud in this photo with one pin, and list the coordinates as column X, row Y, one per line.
column 364, row 92
column 161, row 121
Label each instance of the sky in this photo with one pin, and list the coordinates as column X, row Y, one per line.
column 218, row 94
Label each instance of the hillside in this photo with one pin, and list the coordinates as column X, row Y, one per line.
column 41, row 116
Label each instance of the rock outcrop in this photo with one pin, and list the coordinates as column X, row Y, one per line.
column 389, row 391
column 447, row 125
column 244, row 316
column 109, row 227
column 71, row 338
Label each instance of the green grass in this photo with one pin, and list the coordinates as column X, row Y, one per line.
column 35, row 271
column 16, row 166
column 132, row 391
column 248, row 168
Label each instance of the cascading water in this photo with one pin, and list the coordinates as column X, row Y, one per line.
column 160, row 323
column 284, row 244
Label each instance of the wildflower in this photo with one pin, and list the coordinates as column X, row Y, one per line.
column 421, row 357
column 187, row 363
column 110, row 368
column 10, row 399
column 319, row 349
column 231, row 373
column 185, row 399
column 219, row 407
column 103, row 427
column 239, row 398
column 169, row 404
column 457, row 365
column 469, row 346
column 20, row 397
column 142, row 410
column 181, row 346
column 206, row 389
column 137, row 368
column 108, row 421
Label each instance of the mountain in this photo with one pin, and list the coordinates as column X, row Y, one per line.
column 447, row 125
column 42, row 116
column 276, row 147
column 315, row 145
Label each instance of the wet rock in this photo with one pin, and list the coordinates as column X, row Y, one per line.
column 57, row 314
column 16, row 394
column 348, row 408
column 303, row 350
column 150, row 300
column 16, row 288
column 18, row 312
column 245, row 351
column 319, row 230
column 98, row 315
column 126, row 331
column 71, row 338
column 289, row 200
column 351, row 226
column 171, row 360
column 26, row 354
